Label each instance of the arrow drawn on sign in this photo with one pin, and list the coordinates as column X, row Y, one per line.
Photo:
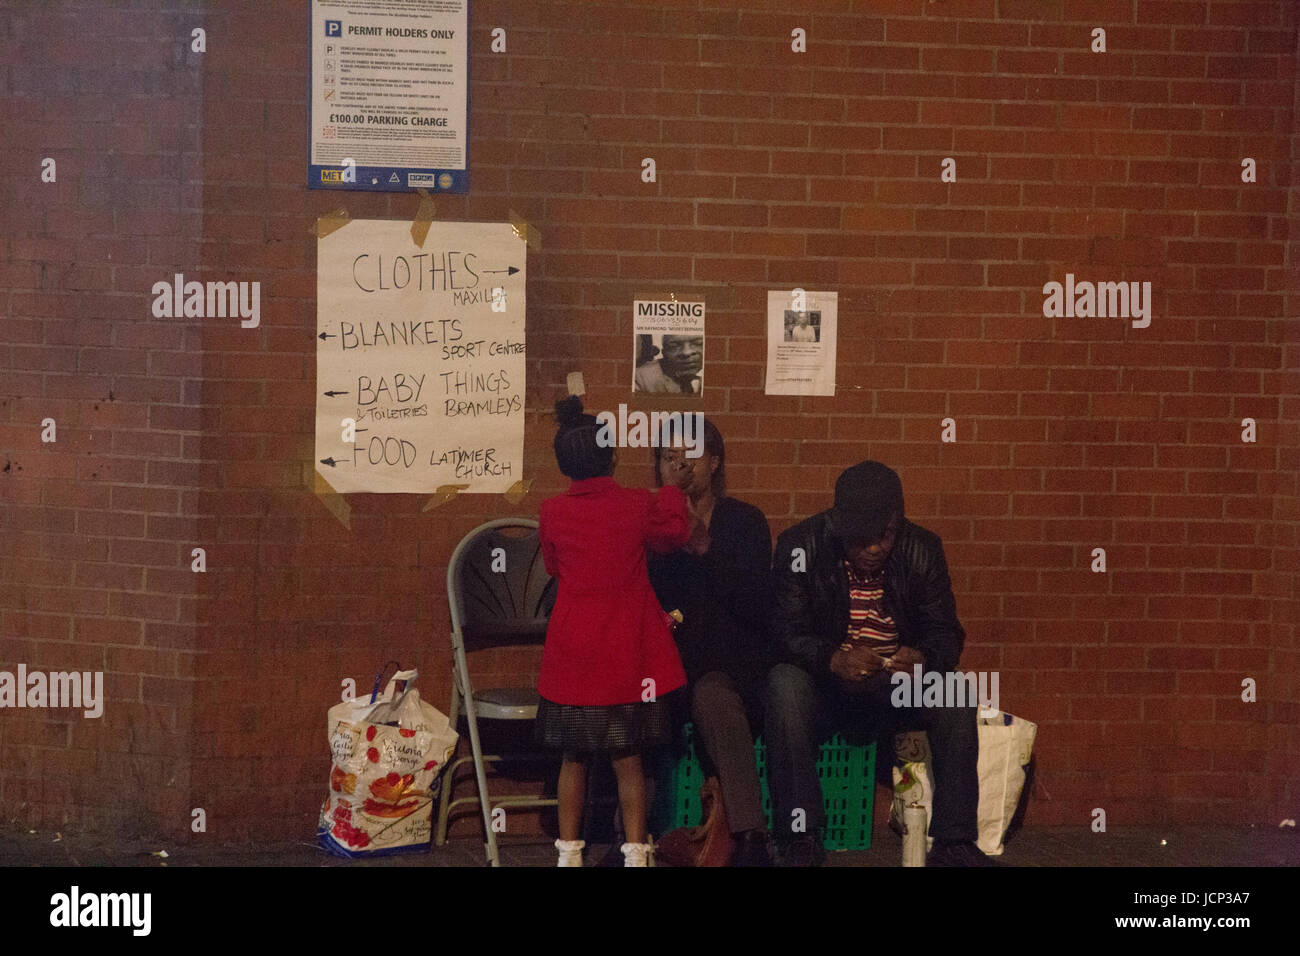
column 332, row 393
column 511, row 271
column 325, row 335
column 331, row 461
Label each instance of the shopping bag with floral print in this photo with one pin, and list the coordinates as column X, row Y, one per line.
column 389, row 751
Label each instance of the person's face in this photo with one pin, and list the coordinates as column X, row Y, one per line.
column 867, row 556
column 692, row 475
column 803, row 319
column 683, row 355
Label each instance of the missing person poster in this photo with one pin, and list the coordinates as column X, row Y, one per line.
column 801, row 342
column 668, row 347
column 389, row 95
column 420, row 357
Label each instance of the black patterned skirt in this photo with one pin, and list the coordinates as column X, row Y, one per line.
column 601, row 729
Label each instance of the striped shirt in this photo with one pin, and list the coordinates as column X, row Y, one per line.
column 868, row 621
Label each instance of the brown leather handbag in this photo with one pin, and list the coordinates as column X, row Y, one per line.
column 709, row 844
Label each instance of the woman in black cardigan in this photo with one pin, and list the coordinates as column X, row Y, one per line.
column 721, row 582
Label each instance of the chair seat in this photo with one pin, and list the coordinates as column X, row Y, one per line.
column 507, row 703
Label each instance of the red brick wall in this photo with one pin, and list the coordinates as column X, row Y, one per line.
column 775, row 169
column 96, row 528
column 1283, row 759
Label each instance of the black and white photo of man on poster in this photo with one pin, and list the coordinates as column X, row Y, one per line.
column 668, row 349
column 803, row 326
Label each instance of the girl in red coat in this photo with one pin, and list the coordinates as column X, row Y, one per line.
column 610, row 659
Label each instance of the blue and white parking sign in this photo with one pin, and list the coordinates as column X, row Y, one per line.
column 378, row 120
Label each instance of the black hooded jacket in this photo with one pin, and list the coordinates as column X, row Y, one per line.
column 810, row 616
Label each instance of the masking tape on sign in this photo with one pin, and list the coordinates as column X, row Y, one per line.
column 515, row 493
column 526, row 231
column 333, row 501
column 423, row 218
column 441, row 495
column 330, row 222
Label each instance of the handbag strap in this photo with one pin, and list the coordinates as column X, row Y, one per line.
column 405, row 678
column 374, row 691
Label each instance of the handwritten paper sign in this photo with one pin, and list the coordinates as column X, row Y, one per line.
column 423, row 348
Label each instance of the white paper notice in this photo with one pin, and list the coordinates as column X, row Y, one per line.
column 801, row 342
column 423, row 347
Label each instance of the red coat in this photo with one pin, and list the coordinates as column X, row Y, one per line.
column 608, row 633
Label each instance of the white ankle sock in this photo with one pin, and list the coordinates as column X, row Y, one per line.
column 570, row 852
column 638, row 854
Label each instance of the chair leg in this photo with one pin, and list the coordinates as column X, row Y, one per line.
column 481, row 774
column 444, row 799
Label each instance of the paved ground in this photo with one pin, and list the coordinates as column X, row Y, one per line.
column 1055, row 846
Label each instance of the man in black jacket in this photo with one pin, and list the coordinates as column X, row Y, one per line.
column 862, row 593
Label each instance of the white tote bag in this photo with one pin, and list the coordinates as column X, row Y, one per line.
column 389, row 755
column 1006, row 744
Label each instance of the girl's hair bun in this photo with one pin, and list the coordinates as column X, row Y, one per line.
column 568, row 411
column 578, row 448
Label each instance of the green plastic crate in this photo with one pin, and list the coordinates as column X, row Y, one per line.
column 848, row 777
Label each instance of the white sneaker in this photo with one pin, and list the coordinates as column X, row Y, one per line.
column 570, row 852
column 638, row 854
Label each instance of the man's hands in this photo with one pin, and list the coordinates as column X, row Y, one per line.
column 856, row 662
column 904, row 659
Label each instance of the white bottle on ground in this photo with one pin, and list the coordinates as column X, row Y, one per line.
column 914, row 842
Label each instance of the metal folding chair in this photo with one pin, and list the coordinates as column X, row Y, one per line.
column 500, row 595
